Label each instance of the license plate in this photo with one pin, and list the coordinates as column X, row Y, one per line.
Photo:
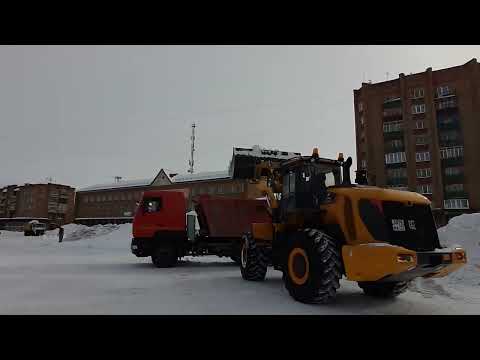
column 398, row 225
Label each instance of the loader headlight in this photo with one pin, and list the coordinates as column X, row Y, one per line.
column 405, row 258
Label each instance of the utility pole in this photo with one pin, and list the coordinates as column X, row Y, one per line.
column 192, row 150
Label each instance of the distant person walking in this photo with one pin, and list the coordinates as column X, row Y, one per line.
column 60, row 234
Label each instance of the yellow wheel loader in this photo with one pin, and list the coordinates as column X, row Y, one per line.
column 324, row 227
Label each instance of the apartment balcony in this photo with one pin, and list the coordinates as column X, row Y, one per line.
column 392, row 113
column 450, row 143
column 445, row 104
column 389, row 148
column 397, row 181
column 452, row 162
column 392, row 135
column 449, row 125
column 451, row 93
column 454, row 179
column 456, row 195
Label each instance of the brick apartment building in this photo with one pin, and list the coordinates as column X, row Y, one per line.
column 49, row 203
column 117, row 202
column 421, row 132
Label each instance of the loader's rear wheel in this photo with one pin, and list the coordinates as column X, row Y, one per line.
column 384, row 290
column 253, row 260
column 313, row 267
column 165, row 256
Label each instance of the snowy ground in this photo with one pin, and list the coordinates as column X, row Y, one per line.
column 93, row 272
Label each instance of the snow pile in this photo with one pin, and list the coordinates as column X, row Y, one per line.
column 99, row 237
column 75, row 232
column 464, row 231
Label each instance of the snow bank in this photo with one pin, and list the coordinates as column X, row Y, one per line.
column 464, row 230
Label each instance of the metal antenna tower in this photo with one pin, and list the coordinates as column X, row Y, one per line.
column 192, row 150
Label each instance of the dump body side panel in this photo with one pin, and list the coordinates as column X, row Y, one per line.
column 229, row 218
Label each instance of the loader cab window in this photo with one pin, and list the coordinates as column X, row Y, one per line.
column 152, row 205
column 306, row 187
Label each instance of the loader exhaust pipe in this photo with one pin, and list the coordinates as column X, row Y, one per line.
column 346, row 171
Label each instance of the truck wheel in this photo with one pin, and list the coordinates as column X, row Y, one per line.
column 164, row 256
column 253, row 261
column 313, row 267
column 383, row 290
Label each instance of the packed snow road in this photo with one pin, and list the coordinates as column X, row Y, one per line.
column 93, row 272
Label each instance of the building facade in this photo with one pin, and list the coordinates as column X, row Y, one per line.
column 49, row 203
column 420, row 133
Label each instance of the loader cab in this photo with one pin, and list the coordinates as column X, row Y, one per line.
column 305, row 182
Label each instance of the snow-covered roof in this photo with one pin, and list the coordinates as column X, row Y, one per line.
column 261, row 152
column 117, row 185
column 202, row 176
column 170, row 173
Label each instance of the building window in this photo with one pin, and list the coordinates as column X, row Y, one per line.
column 419, row 124
column 422, row 156
column 362, row 120
column 443, row 91
column 418, row 93
column 85, row 199
column 392, row 126
column 363, row 164
column 395, row 158
column 425, row 189
column 115, row 197
column 360, row 106
column 418, row 109
column 450, row 153
column 424, row 173
column 122, row 196
column 129, row 196
column 456, row 204
column 421, row 140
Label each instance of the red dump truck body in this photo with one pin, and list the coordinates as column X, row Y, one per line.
column 161, row 229
column 221, row 217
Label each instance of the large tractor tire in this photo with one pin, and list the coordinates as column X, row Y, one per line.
column 253, row 260
column 313, row 267
column 384, row 290
column 165, row 256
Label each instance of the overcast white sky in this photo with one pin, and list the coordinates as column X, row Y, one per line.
column 84, row 114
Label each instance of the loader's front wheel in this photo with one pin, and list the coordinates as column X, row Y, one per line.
column 253, row 260
column 313, row 267
column 384, row 290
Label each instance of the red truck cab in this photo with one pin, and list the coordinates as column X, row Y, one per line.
column 159, row 227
